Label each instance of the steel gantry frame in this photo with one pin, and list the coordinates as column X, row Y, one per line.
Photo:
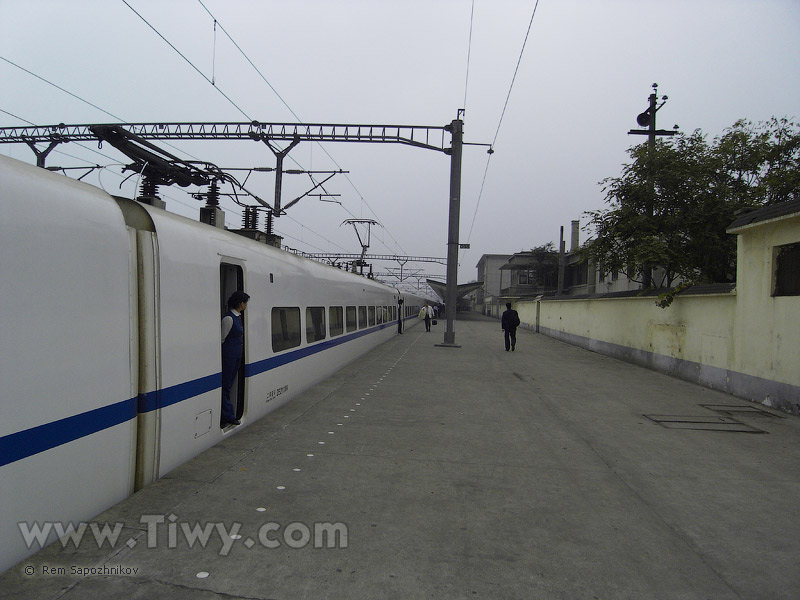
column 426, row 137
column 334, row 258
column 429, row 137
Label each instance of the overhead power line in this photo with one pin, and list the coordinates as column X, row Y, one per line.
column 469, row 52
column 59, row 88
column 203, row 75
column 247, row 58
column 516, row 69
column 299, row 120
column 16, row 117
column 102, row 110
column 228, row 98
column 29, row 72
column 502, row 114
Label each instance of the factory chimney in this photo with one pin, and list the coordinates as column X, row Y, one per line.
column 574, row 241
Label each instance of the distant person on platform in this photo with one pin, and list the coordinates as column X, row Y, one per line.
column 509, row 323
column 399, row 315
column 232, row 352
column 428, row 315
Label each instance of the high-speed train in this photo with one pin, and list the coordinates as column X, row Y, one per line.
column 110, row 349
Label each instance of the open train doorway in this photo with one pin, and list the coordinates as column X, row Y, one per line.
column 232, row 280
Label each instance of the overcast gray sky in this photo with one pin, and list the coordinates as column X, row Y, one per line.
column 585, row 74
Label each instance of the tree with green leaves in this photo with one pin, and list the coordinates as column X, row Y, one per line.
column 544, row 260
column 695, row 190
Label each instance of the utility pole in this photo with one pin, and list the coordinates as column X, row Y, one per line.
column 648, row 119
column 456, row 128
column 562, row 264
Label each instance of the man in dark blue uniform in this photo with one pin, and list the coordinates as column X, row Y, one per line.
column 232, row 351
column 509, row 323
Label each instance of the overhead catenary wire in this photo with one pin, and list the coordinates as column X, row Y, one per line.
column 114, row 160
column 120, row 119
column 10, row 114
column 183, row 56
column 502, row 115
column 361, row 196
column 299, row 120
column 247, row 58
column 217, row 23
column 469, row 53
column 21, row 68
column 516, row 70
column 66, row 91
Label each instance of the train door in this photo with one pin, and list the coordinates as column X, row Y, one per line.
column 145, row 339
column 231, row 280
column 148, row 450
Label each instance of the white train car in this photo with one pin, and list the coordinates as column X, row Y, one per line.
column 110, row 356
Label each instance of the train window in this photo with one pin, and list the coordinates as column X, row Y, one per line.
column 379, row 315
column 371, row 310
column 362, row 317
column 352, row 323
column 315, row 323
column 285, row 328
column 336, row 320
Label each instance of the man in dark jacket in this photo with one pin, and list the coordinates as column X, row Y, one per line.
column 509, row 323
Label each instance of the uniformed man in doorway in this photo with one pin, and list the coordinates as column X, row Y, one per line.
column 232, row 352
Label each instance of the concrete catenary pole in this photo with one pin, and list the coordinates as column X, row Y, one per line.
column 451, row 291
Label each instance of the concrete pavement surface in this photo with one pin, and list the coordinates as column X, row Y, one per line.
column 424, row 472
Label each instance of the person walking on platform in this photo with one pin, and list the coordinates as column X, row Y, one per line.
column 399, row 315
column 509, row 323
column 232, row 351
column 428, row 316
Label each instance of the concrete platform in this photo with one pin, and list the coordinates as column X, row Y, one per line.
column 464, row 473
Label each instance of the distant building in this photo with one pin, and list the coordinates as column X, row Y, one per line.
column 583, row 277
column 527, row 274
column 493, row 281
column 532, row 273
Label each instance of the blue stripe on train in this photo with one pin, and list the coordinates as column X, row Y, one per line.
column 22, row 444
column 282, row 359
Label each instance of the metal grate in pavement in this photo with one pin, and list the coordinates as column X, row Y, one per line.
column 742, row 411
column 703, row 423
